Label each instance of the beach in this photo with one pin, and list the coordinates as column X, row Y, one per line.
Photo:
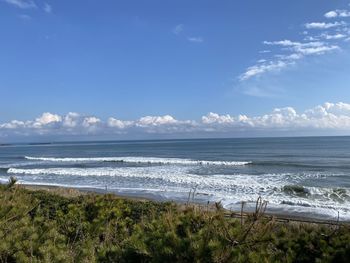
column 243, row 213
column 306, row 177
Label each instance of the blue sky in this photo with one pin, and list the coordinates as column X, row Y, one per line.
column 130, row 59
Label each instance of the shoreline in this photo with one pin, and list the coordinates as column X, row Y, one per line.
column 72, row 192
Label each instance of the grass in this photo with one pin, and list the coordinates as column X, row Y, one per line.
column 38, row 226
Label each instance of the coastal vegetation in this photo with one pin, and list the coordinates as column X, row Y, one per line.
column 40, row 226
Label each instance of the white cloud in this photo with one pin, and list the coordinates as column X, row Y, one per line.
column 331, row 116
column 335, row 36
column 289, row 43
column 294, row 50
column 327, row 117
column 47, row 8
column 90, row 121
column 317, row 50
column 195, row 39
column 308, row 48
column 178, row 29
column 119, row 124
column 71, row 120
column 23, row 4
column 337, row 13
column 331, row 14
column 262, row 68
column 47, row 118
column 13, row 125
column 155, row 121
column 323, row 25
column 216, row 118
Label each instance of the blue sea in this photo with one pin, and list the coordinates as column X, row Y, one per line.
column 306, row 176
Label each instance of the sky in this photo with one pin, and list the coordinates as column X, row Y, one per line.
column 131, row 69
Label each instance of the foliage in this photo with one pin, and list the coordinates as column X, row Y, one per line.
column 38, row 226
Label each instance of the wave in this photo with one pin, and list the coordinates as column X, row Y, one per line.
column 300, row 165
column 229, row 188
column 179, row 175
column 139, row 160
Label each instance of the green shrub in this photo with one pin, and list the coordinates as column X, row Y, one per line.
column 38, row 226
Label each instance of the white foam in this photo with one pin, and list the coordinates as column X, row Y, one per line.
column 179, row 175
column 141, row 160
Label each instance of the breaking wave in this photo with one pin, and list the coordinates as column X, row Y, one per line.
column 236, row 187
column 140, row 160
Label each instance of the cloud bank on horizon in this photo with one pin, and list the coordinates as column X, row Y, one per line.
column 329, row 117
column 318, row 38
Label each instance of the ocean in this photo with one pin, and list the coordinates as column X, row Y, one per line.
column 305, row 176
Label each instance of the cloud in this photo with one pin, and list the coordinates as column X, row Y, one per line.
column 155, row 121
column 47, row 8
column 329, row 117
column 23, row 4
column 90, row 122
column 331, row 14
column 308, row 48
column 291, row 51
column 119, row 124
column 264, row 51
column 47, row 118
column 337, row 13
column 297, row 50
column 335, row 36
column 289, row 43
column 262, row 68
column 323, row 25
column 211, row 118
column 178, row 29
column 321, row 38
column 195, row 39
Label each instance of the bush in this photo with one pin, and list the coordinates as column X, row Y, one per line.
column 38, row 226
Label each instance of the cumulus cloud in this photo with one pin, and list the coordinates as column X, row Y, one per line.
column 91, row 122
column 155, row 121
column 119, row 124
column 216, row 118
column 329, row 116
column 326, row 117
column 47, row 118
column 23, row 4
